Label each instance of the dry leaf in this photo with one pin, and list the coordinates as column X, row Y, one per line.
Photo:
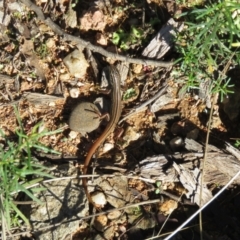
column 94, row 20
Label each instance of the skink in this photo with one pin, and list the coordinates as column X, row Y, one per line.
column 115, row 113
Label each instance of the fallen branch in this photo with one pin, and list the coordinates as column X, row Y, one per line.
column 84, row 44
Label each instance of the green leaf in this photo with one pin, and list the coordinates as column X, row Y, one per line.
column 137, row 32
column 39, row 172
column 32, row 182
column 45, row 149
column 158, row 183
column 116, row 38
column 124, row 46
column 22, row 189
column 39, row 189
column 36, row 127
column 46, row 133
column 129, row 93
column 157, row 191
column 19, row 213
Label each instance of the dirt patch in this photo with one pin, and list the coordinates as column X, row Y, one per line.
column 46, row 75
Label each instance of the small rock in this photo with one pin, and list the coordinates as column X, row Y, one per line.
column 114, row 215
column 109, row 233
column 7, row 19
column 176, row 128
column 176, row 143
column 74, row 92
column 107, row 147
column 76, row 63
column 73, row 135
column 137, row 68
column 116, row 190
column 193, row 134
column 99, row 198
column 43, row 28
column 71, row 18
column 80, row 84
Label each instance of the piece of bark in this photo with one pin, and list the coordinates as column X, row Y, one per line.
column 158, row 168
column 205, row 91
column 40, row 99
column 193, row 146
column 163, row 41
column 219, row 168
column 191, row 181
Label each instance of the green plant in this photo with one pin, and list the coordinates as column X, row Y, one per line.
column 125, row 40
column 222, row 88
column 33, row 74
column 237, row 143
column 19, row 170
column 159, row 187
column 135, row 210
column 17, row 15
column 206, row 42
column 42, row 50
column 131, row 92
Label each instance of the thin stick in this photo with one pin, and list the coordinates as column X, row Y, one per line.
column 84, row 44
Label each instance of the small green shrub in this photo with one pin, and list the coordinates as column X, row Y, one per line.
column 206, row 42
column 19, row 170
column 124, row 40
column 131, row 92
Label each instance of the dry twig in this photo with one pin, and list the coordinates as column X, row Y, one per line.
column 84, row 44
